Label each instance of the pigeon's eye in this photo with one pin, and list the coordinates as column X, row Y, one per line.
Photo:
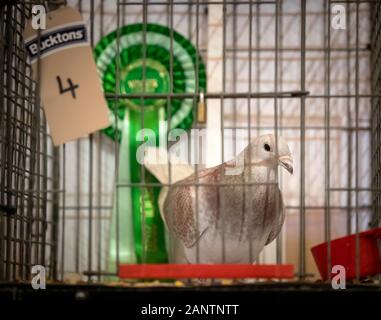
column 266, row 147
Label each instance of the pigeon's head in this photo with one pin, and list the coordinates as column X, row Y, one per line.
column 268, row 151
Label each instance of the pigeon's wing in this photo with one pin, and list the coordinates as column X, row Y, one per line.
column 278, row 223
column 180, row 206
column 179, row 214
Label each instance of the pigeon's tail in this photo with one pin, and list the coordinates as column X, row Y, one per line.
column 157, row 161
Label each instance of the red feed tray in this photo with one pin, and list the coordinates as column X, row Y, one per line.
column 228, row 271
column 344, row 253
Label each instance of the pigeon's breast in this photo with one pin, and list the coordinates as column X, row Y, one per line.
column 247, row 211
column 225, row 212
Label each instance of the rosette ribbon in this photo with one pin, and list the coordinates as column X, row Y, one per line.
column 137, row 58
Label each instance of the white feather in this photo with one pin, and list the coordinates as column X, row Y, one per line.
column 157, row 161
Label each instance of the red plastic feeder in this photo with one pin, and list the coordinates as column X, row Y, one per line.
column 184, row 271
column 343, row 252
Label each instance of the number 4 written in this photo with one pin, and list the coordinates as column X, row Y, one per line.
column 71, row 86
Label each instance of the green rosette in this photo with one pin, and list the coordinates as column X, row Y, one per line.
column 141, row 231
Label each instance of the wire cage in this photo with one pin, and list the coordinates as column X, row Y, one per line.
column 270, row 66
column 29, row 186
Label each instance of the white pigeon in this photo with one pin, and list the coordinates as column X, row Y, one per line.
column 239, row 208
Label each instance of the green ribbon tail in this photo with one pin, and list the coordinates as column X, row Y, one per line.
column 140, row 237
column 122, row 240
column 148, row 226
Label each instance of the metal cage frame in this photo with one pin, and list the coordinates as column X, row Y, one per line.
column 34, row 213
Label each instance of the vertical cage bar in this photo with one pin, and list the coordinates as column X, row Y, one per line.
column 327, row 137
column 36, row 218
column 63, row 212
column 91, row 165
column 302, row 227
column 276, row 125
column 77, row 251
column 22, row 164
column 142, row 110
column 99, row 172
column 9, row 141
column 2, row 153
column 45, row 194
column 234, row 76
column 349, row 132
column 55, row 212
column 376, row 113
column 196, row 145
column 222, row 103
column 116, row 141
column 251, row 258
column 169, row 101
column 258, row 59
column 357, row 80
column 279, row 239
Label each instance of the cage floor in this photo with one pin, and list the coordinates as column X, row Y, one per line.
column 140, row 291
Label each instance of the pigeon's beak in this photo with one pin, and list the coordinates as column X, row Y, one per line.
column 286, row 162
